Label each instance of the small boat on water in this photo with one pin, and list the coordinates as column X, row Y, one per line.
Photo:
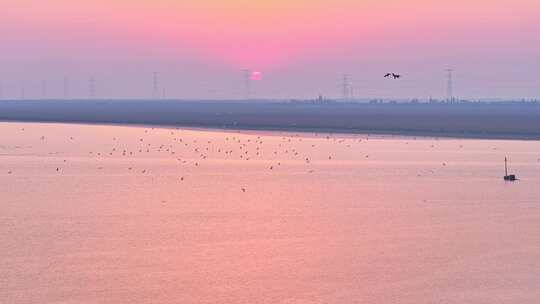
column 508, row 177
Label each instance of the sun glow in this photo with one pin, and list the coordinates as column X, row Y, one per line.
column 256, row 76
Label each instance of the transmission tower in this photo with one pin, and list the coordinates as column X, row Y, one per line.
column 449, row 85
column 92, row 88
column 155, row 86
column 44, row 89
column 23, row 91
column 66, row 87
column 346, row 87
column 247, row 83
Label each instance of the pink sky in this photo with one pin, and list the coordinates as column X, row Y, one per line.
column 300, row 46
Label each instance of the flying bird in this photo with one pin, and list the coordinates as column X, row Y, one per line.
column 395, row 76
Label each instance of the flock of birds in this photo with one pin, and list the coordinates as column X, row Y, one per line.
column 186, row 149
column 190, row 150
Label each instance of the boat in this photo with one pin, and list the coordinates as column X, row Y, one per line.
column 508, row 177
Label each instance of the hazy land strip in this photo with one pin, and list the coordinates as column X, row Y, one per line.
column 494, row 121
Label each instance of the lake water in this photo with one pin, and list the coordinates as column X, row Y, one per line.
column 111, row 214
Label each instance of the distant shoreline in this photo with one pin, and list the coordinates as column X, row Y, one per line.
column 506, row 121
column 407, row 134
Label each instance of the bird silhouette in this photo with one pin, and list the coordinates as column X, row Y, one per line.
column 395, row 76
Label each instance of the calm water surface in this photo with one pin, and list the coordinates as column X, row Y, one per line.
column 109, row 214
